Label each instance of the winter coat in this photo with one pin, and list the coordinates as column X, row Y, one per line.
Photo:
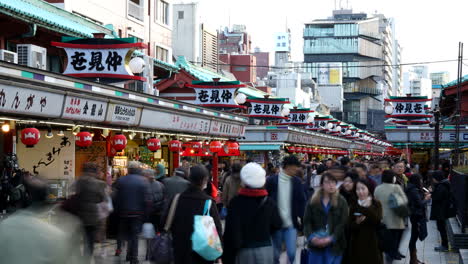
column 440, row 200
column 133, row 196
column 298, row 199
column 364, row 243
column 175, row 185
column 191, row 203
column 248, row 225
column 315, row 220
column 90, row 192
column 382, row 194
column 157, row 197
column 416, row 202
column 231, row 188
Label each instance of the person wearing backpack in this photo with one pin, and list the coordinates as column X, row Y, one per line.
column 251, row 221
column 191, row 203
column 395, row 223
column 441, row 202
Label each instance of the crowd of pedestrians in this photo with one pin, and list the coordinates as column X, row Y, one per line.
column 348, row 211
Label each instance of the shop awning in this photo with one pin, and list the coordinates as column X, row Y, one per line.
column 260, row 146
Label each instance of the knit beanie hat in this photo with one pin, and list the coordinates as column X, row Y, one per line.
column 253, row 175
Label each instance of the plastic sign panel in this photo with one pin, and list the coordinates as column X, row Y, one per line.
column 297, row 118
column 106, row 59
column 79, row 108
column 210, row 94
column 264, row 108
column 329, row 74
column 123, row 114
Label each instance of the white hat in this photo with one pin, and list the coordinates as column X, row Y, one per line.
column 253, row 175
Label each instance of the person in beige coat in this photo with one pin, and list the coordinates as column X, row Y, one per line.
column 395, row 224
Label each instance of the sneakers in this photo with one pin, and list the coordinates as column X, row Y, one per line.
column 441, row 249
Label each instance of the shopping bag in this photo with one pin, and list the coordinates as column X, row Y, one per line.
column 205, row 237
column 161, row 250
column 147, row 231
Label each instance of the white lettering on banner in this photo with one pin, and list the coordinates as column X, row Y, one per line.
column 265, row 110
column 167, row 121
column 84, row 109
column 214, row 97
column 108, row 61
column 123, row 114
column 425, row 136
column 29, row 101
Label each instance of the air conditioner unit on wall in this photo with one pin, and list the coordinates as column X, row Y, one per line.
column 9, row 56
column 32, row 56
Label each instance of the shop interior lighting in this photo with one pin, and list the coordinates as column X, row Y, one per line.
column 75, row 130
column 60, row 133
column 6, row 127
column 49, row 133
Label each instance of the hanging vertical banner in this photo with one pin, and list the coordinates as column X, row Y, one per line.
column 99, row 58
column 298, row 117
column 409, row 108
column 216, row 94
column 267, row 108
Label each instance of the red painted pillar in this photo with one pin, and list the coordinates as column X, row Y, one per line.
column 175, row 160
column 214, row 171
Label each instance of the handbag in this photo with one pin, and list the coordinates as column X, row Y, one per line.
column 422, row 229
column 161, row 245
column 396, row 204
column 205, row 238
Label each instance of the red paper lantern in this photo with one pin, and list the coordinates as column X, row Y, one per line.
column 292, row 149
column 30, row 136
column 197, row 146
column 175, row 146
column 232, row 148
column 84, row 139
column 153, row 144
column 298, row 149
column 309, row 150
column 119, row 142
column 215, row 146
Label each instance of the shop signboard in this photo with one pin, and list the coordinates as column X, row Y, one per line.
column 409, row 108
column 99, row 58
column 176, row 122
column 225, row 129
column 266, row 109
column 297, row 118
column 123, row 114
column 425, row 136
column 29, row 101
column 79, row 108
column 329, row 74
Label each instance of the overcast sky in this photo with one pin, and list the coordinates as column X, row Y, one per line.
column 428, row 30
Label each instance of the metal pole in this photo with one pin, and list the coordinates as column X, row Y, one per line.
column 459, row 100
column 436, row 138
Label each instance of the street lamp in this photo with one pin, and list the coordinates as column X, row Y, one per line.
column 311, row 118
column 388, row 109
column 137, row 65
column 240, row 98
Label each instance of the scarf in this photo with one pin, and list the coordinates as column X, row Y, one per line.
column 366, row 202
column 253, row 192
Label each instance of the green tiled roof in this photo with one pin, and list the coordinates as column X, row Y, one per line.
column 455, row 82
column 200, row 73
column 51, row 17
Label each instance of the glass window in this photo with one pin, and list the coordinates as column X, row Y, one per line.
column 180, row 14
column 162, row 54
column 135, row 9
column 162, row 12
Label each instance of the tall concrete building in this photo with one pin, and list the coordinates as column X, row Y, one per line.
column 263, row 63
column 416, row 81
column 365, row 47
column 235, row 40
column 191, row 37
column 440, row 78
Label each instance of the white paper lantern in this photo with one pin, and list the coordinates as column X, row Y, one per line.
column 240, row 98
column 311, row 118
column 388, row 109
column 285, row 111
column 348, row 132
column 337, row 129
column 137, row 65
column 330, row 125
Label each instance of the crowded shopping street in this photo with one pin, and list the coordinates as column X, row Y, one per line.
column 221, row 132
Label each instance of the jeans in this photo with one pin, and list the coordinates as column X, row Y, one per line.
column 443, row 232
column 131, row 227
column 89, row 237
column 289, row 236
column 414, row 233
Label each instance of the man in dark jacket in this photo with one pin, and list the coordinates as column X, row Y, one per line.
column 440, row 200
column 288, row 192
column 176, row 184
column 133, row 203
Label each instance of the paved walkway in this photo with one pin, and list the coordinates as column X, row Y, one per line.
column 426, row 253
